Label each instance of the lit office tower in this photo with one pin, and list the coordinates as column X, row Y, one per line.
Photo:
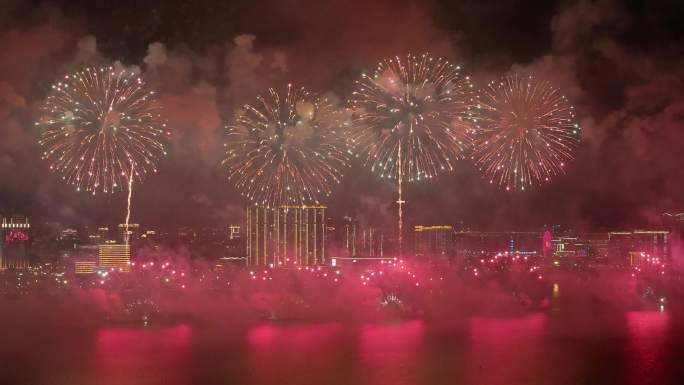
column 286, row 235
column 15, row 243
column 371, row 243
column 84, row 267
column 114, row 256
column 350, row 236
column 434, row 240
column 85, row 260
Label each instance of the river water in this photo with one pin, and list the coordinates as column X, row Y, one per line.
column 639, row 347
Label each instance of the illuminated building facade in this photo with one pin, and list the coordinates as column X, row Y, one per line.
column 235, row 245
column 624, row 244
column 357, row 240
column 84, row 267
column 150, row 238
column 589, row 245
column 596, row 245
column 653, row 242
column 475, row 243
column 133, row 231
column 15, row 238
column 371, row 243
column 114, row 256
column 350, row 225
column 99, row 236
column 286, row 235
column 84, row 258
column 565, row 246
column 434, row 240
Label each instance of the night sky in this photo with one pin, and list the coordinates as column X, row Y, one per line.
column 620, row 63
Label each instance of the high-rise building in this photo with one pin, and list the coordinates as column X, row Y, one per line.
column 99, row 236
column 331, row 228
column 473, row 243
column 286, row 235
column 356, row 240
column 653, row 242
column 114, row 256
column 623, row 244
column 85, row 267
column 235, row 245
column 565, row 246
column 350, row 225
column 133, row 232
column 15, row 233
column 588, row 245
column 620, row 244
column 434, row 240
column 150, row 238
column 67, row 240
column 371, row 243
column 84, row 258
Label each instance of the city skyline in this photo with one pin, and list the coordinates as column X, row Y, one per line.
column 304, row 235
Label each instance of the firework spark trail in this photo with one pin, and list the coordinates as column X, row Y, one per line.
column 96, row 123
column 128, row 205
column 412, row 119
column 400, row 202
column 528, row 132
column 286, row 149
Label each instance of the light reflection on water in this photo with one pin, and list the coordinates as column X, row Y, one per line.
column 647, row 346
column 129, row 356
column 391, row 354
column 295, row 354
column 506, row 348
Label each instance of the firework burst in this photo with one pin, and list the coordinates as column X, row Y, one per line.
column 412, row 120
column 412, row 117
column 527, row 132
column 286, row 149
column 99, row 124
